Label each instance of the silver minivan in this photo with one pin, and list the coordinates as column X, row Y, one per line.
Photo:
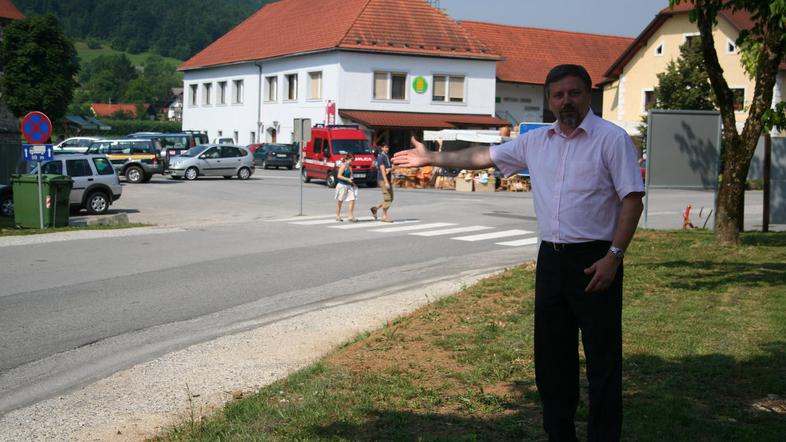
column 95, row 182
column 212, row 160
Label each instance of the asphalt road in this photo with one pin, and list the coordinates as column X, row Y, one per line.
column 229, row 255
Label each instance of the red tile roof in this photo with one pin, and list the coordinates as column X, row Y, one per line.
column 106, row 110
column 529, row 53
column 8, row 10
column 741, row 20
column 290, row 27
column 421, row 120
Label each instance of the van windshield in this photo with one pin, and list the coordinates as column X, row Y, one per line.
column 351, row 146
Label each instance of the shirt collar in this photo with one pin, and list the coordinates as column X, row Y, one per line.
column 588, row 125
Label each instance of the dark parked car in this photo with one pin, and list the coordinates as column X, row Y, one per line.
column 136, row 159
column 274, row 155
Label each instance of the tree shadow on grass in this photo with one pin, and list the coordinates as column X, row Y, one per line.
column 715, row 275
column 705, row 398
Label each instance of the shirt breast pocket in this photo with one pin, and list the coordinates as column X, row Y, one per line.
column 585, row 176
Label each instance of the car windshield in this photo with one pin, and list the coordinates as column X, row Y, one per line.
column 194, row 151
column 351, row 146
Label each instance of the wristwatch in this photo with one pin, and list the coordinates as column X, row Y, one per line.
column 617, row 252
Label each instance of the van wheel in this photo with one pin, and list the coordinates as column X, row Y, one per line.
column 331, row 180
column 244, row 173
column 304, row 176
column 191, row 173
column 371, row 184
column 134, row 174
column 97, row 203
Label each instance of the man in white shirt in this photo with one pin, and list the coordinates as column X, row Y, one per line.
column 587, row 191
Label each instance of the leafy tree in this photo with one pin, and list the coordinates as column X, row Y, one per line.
column 106, row 79
column 683, row 85
column 768, row 34
column 40, row 66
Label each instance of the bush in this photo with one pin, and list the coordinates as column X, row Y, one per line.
column 93, row 43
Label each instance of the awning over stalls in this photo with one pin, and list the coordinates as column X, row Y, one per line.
column 412, row 120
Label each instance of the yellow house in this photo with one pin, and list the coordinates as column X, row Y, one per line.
column 628, row 91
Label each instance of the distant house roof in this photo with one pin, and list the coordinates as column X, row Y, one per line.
column 529, row 53
column 740, row 20
column 9, row 11
column 421, row 120
column 292, row 27
column 106, row 110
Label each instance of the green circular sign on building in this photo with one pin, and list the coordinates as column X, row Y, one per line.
column 420, row 85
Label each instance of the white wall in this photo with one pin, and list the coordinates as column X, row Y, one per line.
column 347, row 79
column 524, row 102
column 356, row 88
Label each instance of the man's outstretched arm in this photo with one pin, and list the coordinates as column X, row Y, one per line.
column 476, row 157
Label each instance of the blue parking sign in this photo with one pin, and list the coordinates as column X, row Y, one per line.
column 38, row 152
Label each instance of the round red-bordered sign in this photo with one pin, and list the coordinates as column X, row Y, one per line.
column 36, row 127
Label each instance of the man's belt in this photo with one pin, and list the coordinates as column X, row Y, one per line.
column 576, row 246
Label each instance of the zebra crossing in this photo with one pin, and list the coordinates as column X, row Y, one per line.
column 473, row 233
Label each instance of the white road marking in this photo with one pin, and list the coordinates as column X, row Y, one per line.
column 316, row 222
column 520, row 242
column 408, row 228
column 368, row 222
column 493, row 235
column 452, row 231
column 300, row 218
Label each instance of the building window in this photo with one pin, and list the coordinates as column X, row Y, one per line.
column 291, row 84
column 730, row 47
column 448, row 88
column 272, row 89
column 390, row 86
column 659, row 49
column 739, row 99
column 649, row 100
column 207, row 89
column 194, row 88
column 222, row 92
column 692, row 39
column 314, row 85
column 237, row 96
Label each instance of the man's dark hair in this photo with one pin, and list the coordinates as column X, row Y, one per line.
column 557, row 73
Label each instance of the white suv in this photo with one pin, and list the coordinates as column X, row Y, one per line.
column 96, row 185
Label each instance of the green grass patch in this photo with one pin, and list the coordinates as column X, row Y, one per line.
column 86, row 54
column 704, row 345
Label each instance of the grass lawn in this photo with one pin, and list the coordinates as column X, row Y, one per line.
column 704, row 347
column 7, row 228
column 86, row 54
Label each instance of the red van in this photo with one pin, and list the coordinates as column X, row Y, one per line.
column 328, row 145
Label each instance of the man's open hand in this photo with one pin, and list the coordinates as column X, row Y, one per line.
column 419, row 156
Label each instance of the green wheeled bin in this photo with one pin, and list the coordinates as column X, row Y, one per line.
column 55, row 193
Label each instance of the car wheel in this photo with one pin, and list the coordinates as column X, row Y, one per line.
column 135, row 175
column 7, row 205
column 97, row 203
column 244, row 173
column 289, row 167
column 331, row 180
column 371, row 184
column 191, row 173
column 304, row 176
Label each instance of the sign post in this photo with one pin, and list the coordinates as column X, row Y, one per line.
column 302, row 134
column 37, row 128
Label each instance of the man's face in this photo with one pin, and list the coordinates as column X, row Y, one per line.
column 569, row 100
column 385, row 148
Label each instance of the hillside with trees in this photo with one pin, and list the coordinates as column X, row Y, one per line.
column 171, row 28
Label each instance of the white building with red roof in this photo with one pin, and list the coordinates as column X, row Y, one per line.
column 528, row 54
column 391, row 66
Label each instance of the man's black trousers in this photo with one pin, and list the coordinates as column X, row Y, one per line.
column 562, row 308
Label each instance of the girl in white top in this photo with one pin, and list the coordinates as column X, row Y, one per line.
column 346, row 189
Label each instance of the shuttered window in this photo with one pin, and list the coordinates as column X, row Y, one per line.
column 448, row 88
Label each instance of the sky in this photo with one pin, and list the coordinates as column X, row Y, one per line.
column 608, row 17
